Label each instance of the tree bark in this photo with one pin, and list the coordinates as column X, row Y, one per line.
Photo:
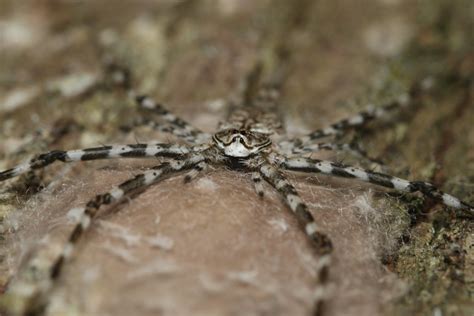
column 213, row 247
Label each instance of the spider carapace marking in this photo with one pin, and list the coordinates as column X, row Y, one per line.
column 244, row 144
column 241, row 143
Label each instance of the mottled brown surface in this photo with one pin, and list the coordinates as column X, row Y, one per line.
column 232, row 253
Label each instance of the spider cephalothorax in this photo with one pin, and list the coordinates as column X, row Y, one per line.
column 241, row 143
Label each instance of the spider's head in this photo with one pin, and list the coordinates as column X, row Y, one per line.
column 241, row 143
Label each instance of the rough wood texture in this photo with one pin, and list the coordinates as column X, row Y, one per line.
column 213, row 247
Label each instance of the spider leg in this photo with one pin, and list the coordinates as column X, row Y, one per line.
column 257, row 183
column 195, row 171
column 319, row 240
column 381, row 179
column 140, row 181
column 104, row 152
column 352, row 149
column 175, row 125
column 357, row 121
column 89, row 212
column 121, row 76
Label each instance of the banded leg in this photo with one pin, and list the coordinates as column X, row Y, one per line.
column 357, row 121
column 160, row 127
column 381, row 179
column 104, row 152
column 353, row 149
column 121, row 76
column 319, row 240
column 257, row 183
column 89, row 212
column 195, row 171
column 175, row 125
column 326, row 146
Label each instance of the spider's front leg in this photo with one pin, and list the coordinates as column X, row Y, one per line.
column 36, row 295
column 352, row 149
column 357, row 121
column 381, row 179
column 174, row 124
column 122, row 77
column 104, row 152
column 319, row 240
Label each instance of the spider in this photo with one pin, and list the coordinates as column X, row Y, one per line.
column 245, row 143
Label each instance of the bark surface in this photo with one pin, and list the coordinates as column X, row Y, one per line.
column 213, row 247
